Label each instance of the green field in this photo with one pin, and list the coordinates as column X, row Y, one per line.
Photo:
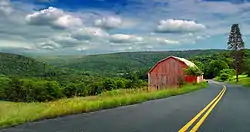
column 18, row 113
column 244, row 80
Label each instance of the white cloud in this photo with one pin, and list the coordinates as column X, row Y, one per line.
column 14, row 44
column 124, row 38
column 53, row 17
column 49, row 44
column 66, row 41
column 82, row 48
column 108, row 22
column 88, row 33
column 172, row 25
column 166, row 41
column 5, row 7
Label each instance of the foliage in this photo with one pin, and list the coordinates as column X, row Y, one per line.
column 21, row 111
column 230, row 72
column 17, row 65
column 118, row 64
column 225, row 74
column 200, row 65
column 27, row 90
column 123, row 71
column 181, row 81
column 236, row 44
column 214, row 68
column 193, row 71
column 37, row 89
column 244, row 80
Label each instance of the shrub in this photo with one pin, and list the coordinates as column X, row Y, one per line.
column 193, row 71
column 181, row 81
column 225, row 74
column 75, row 89
column 248, row 73
column 228, row 71
column 28, row 90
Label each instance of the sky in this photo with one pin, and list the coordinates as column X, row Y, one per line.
column 106, row 26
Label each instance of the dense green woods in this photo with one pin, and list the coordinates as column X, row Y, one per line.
column 44, row 79
column 113, row 64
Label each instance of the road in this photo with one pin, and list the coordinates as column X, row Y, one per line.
column 231, row 114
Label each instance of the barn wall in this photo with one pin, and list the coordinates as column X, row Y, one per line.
column 166, row 73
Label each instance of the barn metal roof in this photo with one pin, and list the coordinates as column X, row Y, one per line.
column 187, row 62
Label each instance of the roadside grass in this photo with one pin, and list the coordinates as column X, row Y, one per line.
column 12, row 113
column 244, row 80
column 218, row 79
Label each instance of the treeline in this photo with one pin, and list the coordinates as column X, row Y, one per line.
column 116, row 63
column 56, row 87
column 222, row 65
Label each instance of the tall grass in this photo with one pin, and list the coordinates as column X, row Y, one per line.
column 244, row 80
column 12, row 113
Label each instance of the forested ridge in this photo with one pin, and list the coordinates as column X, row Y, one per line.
column 49, row 78
column 110, row 64
column 18, row 65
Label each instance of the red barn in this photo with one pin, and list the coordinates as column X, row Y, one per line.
column 166, row 73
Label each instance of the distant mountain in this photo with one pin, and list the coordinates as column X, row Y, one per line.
column 18, row 65
column 119, row 62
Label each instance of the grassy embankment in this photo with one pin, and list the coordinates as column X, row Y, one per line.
column 12, row 113
column 244, row 80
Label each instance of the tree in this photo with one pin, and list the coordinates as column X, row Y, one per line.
column 193, row 71
column 214, row 68
column 225, row 74
column 236, row 44
column 200, row 65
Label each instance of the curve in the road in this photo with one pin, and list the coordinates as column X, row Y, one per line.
column 208, row 108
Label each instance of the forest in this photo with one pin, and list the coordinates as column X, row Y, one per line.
column 26, row 79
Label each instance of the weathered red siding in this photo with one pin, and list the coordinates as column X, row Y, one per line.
column 166, row 73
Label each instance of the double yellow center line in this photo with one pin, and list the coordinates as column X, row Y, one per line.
column 208, row 110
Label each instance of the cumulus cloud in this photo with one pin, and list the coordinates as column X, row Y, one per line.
column 88, row 33
column 171, row 25
column 82, row 48
column 5, row 7
column 49, row 45
column 66, row 41
column 53, row 17
column 109, row 22
column 124, row 38
column 166, row 41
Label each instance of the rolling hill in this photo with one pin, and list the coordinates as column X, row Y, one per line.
column 18, row 65
column 119, row 62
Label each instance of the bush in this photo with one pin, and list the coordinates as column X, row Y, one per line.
column 214, row 68
column 181, row 81
column 228, row 71
column 28, row 90
column 193, row 71
column 4, row 82
column 37, row 89
column 248, row 73
column 225, row 74
column 75, row 89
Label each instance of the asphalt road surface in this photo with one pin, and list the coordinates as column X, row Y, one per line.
column 230, row 114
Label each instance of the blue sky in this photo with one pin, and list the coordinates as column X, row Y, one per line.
column 104, row 26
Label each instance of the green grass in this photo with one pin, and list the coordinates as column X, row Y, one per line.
column 244, row 80
column 12, row 113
